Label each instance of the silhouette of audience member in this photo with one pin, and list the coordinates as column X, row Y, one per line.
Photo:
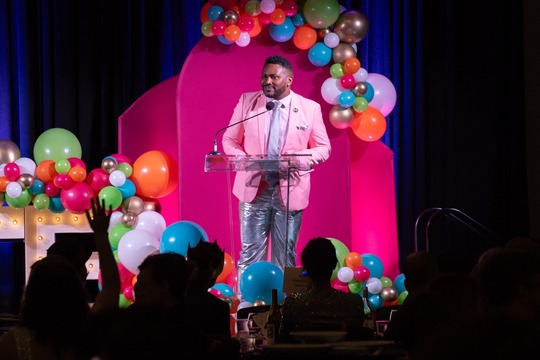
column 54, row 305
column 322, row 307
column 71, row 249
column 450, row 299
column 161, row 288
column 419, row 268
column 206, row 261
column 509, row 325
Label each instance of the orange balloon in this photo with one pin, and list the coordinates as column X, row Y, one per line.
column 353, row 260
column 351, row 65
column 369, row 125
column 228, row 266
column 77, row 173
column 232, row 33
column 304, row 37
column 4, row 181
column 277, row 17
column 155, row 174
column 46, row 170
column 256, row 27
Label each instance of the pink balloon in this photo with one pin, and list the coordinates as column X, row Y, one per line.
column 77, row 198
column 384, row 98
column 73, row 161
column 362, row 273
column 12, row 171
column 121, row 159
column 98, row 179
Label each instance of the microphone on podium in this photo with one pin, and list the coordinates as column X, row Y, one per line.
column 269, row 106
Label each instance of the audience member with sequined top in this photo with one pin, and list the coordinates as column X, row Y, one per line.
column 322, row 307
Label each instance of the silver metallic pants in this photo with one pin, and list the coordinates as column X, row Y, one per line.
column 267, row 215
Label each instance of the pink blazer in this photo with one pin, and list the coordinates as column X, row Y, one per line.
column 306, row 134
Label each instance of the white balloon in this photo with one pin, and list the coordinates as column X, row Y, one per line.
column 151, row 221
column 384, row 98
column 2, row 166
column 134, row 247
column 361, row 75
column 267, row 6
column 331, row 40
column 14, row 189
column 345, row 274
column 116, row 217
column 331, row 89
column 243, row 40
column 26, row 165
column 117, row 178
column 244, row 304
column 374, row 285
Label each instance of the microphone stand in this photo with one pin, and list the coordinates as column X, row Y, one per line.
column 269, row 106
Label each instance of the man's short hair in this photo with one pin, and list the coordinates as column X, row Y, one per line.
column 279, row 60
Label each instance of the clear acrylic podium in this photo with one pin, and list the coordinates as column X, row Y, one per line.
column 285, row 164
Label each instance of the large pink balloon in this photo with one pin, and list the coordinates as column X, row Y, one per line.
column 77, row 198
column 384, row 98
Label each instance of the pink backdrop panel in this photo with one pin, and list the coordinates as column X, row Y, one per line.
column 207, row 89
column 150, row 124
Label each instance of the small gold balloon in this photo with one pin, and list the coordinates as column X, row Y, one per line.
column 343, row 52
column 153, row 205
column 108, row 165
column 389, row 294
column 359, row 89
column 230, row 17
column 129, row 219
column 133, row 204
column 26, row 181
column 259, row 302
column 341, row 117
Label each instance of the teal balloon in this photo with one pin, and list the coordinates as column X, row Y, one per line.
column 370, row 92
column 375, row 301
column 20, row 201
column 399, row 283
column 56, row 144
column 38, row 187
column 374, row 264
column 298, row 19
column 258, row 280
column 55, row 205
column 225, row 289
column 127, row 189
column 181, row 234
column 282, row 32
column 320, row 54
column 222, row 39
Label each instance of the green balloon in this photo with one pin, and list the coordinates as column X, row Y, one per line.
column 321, row 13
column 341, row 253
column 112, row 197
column 116, row 233
column 336, row 71
column 20, row 201
column 355, row 286
column 41, row 202
column 125, row 168
column 56, row 144
column 2, row 196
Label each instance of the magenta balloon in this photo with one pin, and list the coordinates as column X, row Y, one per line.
column 77, row 198
column 384, row 98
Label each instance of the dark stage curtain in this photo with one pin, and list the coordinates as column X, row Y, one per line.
column 457, row 130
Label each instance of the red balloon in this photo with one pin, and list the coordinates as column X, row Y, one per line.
column 362, row 273
column 155, row 174
column 218, row 27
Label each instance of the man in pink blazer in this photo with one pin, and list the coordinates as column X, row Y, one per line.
column 263, row 194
